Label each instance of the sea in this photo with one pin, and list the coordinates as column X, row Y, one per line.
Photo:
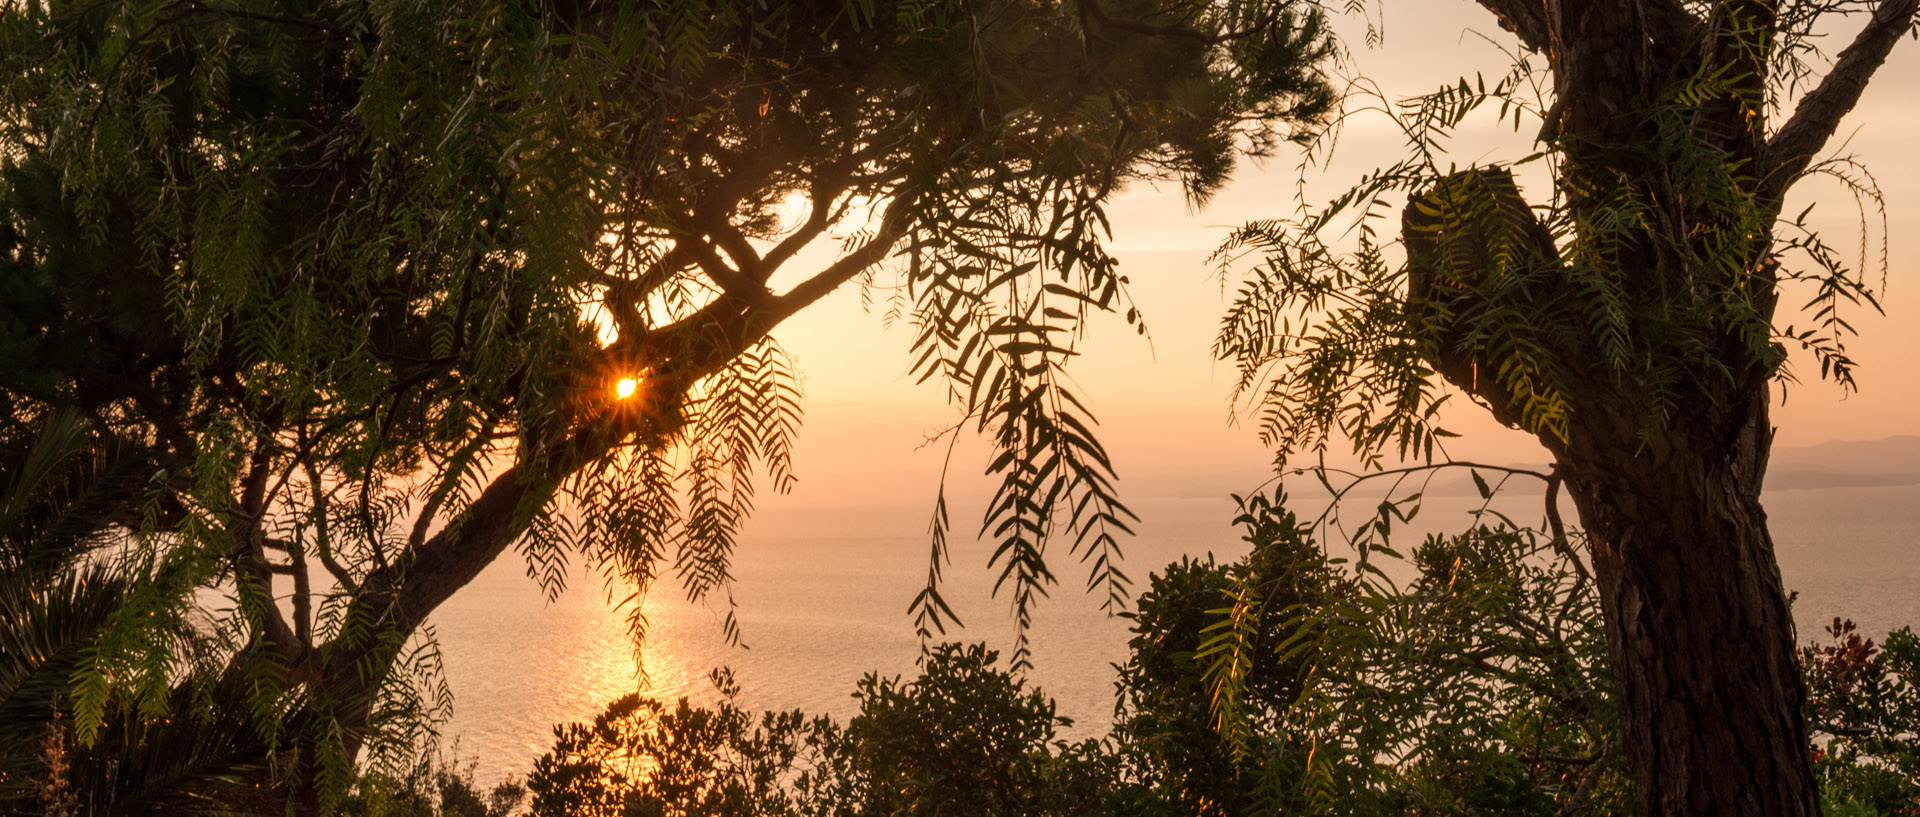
column 821, row 598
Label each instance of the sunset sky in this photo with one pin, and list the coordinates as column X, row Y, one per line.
column 1164, row 405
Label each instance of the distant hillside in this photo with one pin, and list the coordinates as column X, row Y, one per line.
column 1846, row 464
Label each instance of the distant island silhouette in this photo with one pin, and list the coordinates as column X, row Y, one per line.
column 1846, row 464
column 1888, row 461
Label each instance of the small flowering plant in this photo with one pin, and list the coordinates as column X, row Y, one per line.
column 1863, row 704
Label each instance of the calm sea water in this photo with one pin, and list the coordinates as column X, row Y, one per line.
column 822, row 600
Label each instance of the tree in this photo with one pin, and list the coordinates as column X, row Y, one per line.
column 643, row 757
column 963, row 737
column 360, row 279
column 1632, row 323
column 1163, row 719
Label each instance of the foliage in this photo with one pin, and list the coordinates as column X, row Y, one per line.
column 63, row 581
column 1865, row 709
column 1164, row 726
column 434, row 787
column 1466, row 677
column 1469, row 677
column 1496, row 697
column 356, row 279
column 641, row 757
column 964, row 737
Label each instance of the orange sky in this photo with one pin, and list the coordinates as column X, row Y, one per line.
column 1164, row 406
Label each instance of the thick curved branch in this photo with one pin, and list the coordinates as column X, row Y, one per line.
column 746, row 260
column 1667, row 22
column 454, row 556
column 396, row 599
column 703, row 342
column 737, row 283
column 1819, row 113
column 1455, row 244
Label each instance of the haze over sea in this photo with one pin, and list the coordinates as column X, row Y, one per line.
column 823, row 594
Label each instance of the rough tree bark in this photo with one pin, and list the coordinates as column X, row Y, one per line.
column 1701, row 642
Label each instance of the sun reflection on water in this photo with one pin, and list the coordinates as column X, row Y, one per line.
column 817, row 609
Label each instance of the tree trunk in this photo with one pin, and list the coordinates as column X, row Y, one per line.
column 1662, row 438
column 1712, row 705
column 1702, row 647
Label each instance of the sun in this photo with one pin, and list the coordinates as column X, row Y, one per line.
column 794, row 206
column 626, row 387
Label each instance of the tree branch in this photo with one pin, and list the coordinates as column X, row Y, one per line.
column 1819, row 113
column 398, row 597
column 822, row 194
column 323, row 532
column 746, row 260
column 448, row 483
column 456, row 554
column 1184, row 29
column 893, row 226
column 1577, row 803
column 626, row 296
column 738, row 284
column 1839, row 731
column 1526, row 18
column 249, row 549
